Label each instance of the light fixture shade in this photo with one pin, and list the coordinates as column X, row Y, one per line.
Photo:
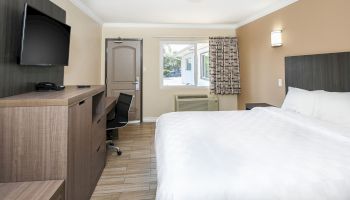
column 276, row 38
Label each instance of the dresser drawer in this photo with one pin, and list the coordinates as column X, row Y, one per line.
column 98, row 162
column 98, row 131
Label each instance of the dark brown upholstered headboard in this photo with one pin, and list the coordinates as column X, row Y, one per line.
column 330, row 72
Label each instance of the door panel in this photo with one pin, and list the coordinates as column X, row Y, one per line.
column 124, row 56
column 124, row 72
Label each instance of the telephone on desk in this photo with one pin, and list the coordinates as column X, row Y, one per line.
column 46, row 86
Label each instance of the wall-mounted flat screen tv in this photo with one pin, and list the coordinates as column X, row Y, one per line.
column 45, row 40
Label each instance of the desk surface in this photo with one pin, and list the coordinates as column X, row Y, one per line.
column 37, row 190
column 110, row 103
column 68, row 96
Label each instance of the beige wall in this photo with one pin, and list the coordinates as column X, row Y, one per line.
column 158, row 101
column 309, row 27
column 85, row 47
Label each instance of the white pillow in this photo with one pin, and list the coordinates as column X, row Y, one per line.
column 300, row 101
column 333, row 107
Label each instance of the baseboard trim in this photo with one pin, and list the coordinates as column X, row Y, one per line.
column 150, row 119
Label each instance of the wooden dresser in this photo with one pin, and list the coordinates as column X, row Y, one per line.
column 58, row 135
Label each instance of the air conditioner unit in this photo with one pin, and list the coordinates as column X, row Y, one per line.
column 196, row 103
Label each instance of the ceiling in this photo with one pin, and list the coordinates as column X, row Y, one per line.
column 197, row 12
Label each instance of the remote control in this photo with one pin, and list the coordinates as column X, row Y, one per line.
column 84, row 86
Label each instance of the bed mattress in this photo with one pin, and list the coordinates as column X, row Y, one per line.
column 265, row 153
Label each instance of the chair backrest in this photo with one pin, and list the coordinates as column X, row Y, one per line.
column 123, row 106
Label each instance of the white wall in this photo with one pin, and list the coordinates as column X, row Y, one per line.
column 158, row 101
column 85, row 48
column 309, row 27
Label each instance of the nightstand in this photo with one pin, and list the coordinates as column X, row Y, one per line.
column 250, row 106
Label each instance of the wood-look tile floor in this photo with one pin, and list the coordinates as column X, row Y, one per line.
column 132, row 175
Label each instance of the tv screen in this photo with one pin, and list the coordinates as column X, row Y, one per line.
column 45, row 41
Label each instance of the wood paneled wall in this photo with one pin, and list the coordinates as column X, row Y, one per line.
column 330, row 72
column 15, row 79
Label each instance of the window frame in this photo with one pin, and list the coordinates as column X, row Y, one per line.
column 197, row 72
column 188, row 64
column 202, row 57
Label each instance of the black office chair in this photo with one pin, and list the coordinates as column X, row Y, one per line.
column 121, row 119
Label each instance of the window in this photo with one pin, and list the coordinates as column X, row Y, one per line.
column 185, row 63
column 205, row 66
column 189, row 64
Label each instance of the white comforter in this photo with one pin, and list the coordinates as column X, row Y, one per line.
column 263, row 154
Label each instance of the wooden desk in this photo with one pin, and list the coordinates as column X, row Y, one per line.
column 38, row 190
column 56, row 135
column 110, row 103
column 66, row 97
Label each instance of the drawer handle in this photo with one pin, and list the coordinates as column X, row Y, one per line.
column 98, row 149
column 81, row 103
column 98, row 121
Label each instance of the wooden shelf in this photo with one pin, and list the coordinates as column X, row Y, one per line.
column 98, row 106
column 110, row 103
column 37, row 190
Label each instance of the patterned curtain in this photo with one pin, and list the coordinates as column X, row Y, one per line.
column 224, row 66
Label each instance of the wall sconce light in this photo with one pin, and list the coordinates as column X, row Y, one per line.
column 276, row 38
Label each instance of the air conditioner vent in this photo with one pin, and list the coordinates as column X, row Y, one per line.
column 196, row 103
column 192, row 96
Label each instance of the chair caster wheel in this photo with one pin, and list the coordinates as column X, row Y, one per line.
column 119, row 153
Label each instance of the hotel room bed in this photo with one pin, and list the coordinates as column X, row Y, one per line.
column 266, row 153
column 299, row 152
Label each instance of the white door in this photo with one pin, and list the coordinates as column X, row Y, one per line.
column 124, row 72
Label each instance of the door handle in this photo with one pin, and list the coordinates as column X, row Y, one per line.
column 137, row 83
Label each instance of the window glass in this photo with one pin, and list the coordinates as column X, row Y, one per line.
column 185, row 64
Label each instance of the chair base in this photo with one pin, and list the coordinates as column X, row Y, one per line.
column 114, row 148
